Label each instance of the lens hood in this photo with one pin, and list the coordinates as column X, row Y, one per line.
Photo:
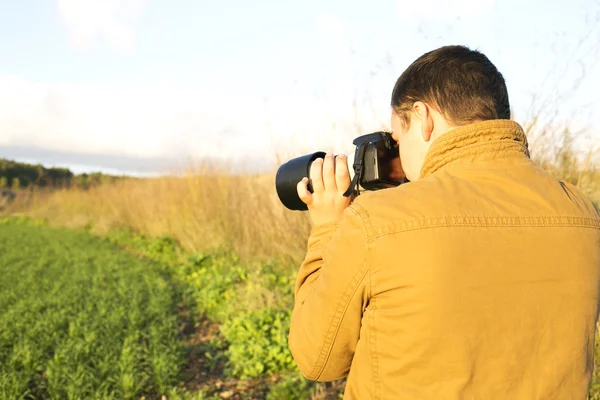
column 288, row 176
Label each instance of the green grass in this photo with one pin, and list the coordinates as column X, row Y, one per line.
column 100, row 318
column 82, row 319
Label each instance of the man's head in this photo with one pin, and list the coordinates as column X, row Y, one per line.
column 441, row 90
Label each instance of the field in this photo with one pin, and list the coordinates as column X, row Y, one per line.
column 179, row 286
column 125, row 316
column 81, row 320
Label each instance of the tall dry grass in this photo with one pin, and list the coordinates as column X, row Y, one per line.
column 206, row 209
column 203, row 210
column 557, row 151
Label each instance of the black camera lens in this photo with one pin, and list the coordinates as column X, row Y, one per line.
column 288, row 176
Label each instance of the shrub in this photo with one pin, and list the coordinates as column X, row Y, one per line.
column 212, row 281
column 292, row 387
column 258, row 343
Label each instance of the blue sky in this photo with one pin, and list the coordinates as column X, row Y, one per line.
column 144, row 86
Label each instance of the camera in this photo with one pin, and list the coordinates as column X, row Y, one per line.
column 376, row 166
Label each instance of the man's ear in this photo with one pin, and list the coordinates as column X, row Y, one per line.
column 423, row 112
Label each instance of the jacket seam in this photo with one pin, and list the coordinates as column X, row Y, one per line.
column 373, row 338
column 335, row 324
column 366, row 219
column 374, row 354
column 340, row 312
column 485, row 221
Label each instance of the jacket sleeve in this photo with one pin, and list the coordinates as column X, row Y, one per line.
column 331, row 294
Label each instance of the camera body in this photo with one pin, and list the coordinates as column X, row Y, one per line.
column 377, row 161
column 376, row 166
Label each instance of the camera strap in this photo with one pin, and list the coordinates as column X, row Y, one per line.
column 358, row 169
column 353, row 184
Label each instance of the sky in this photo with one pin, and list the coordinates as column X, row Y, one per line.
column 146, row 86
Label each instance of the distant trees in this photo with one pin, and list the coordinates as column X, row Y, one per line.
column 16, row 175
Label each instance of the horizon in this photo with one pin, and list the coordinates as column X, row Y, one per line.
column 143, row 87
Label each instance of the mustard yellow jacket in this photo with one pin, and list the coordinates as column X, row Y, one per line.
column 478, row 281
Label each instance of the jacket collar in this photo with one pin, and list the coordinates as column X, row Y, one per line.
column 479, row 141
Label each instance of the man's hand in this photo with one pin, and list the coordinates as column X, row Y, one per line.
column 330, row 179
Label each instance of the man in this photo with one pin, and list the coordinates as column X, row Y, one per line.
column 479, row 279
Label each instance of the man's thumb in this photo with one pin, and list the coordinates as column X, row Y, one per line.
column 303, row 193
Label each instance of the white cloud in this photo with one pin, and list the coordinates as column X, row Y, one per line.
column 88, row 20
column 163, row 121
column 159, row 121
column 149, row 121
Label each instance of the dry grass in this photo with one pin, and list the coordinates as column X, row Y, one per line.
column 556, row 152
column 202, row 210
column 206, row 209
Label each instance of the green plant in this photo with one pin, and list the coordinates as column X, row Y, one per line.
column 81, row 319
column 22, row 220
column 213, row 282
column 292, row 387
column 182, row 394
column 163, row 248
column 15, row 184
column 258, row 343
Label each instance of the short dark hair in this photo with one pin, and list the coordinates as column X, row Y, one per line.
column 461, row 83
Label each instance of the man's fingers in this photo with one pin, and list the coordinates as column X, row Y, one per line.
column 316, row 175
column 342, row 175
column 303, row 193
column 329, row 173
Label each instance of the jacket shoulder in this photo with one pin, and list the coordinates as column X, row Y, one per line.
column 579, row 200
column 415, row 200
column 447, row 195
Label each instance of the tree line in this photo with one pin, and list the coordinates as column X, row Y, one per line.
column 17, row 175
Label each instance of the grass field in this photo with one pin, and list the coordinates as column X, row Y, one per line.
column 200, row 266
column 81, row 320
column 126, row 316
